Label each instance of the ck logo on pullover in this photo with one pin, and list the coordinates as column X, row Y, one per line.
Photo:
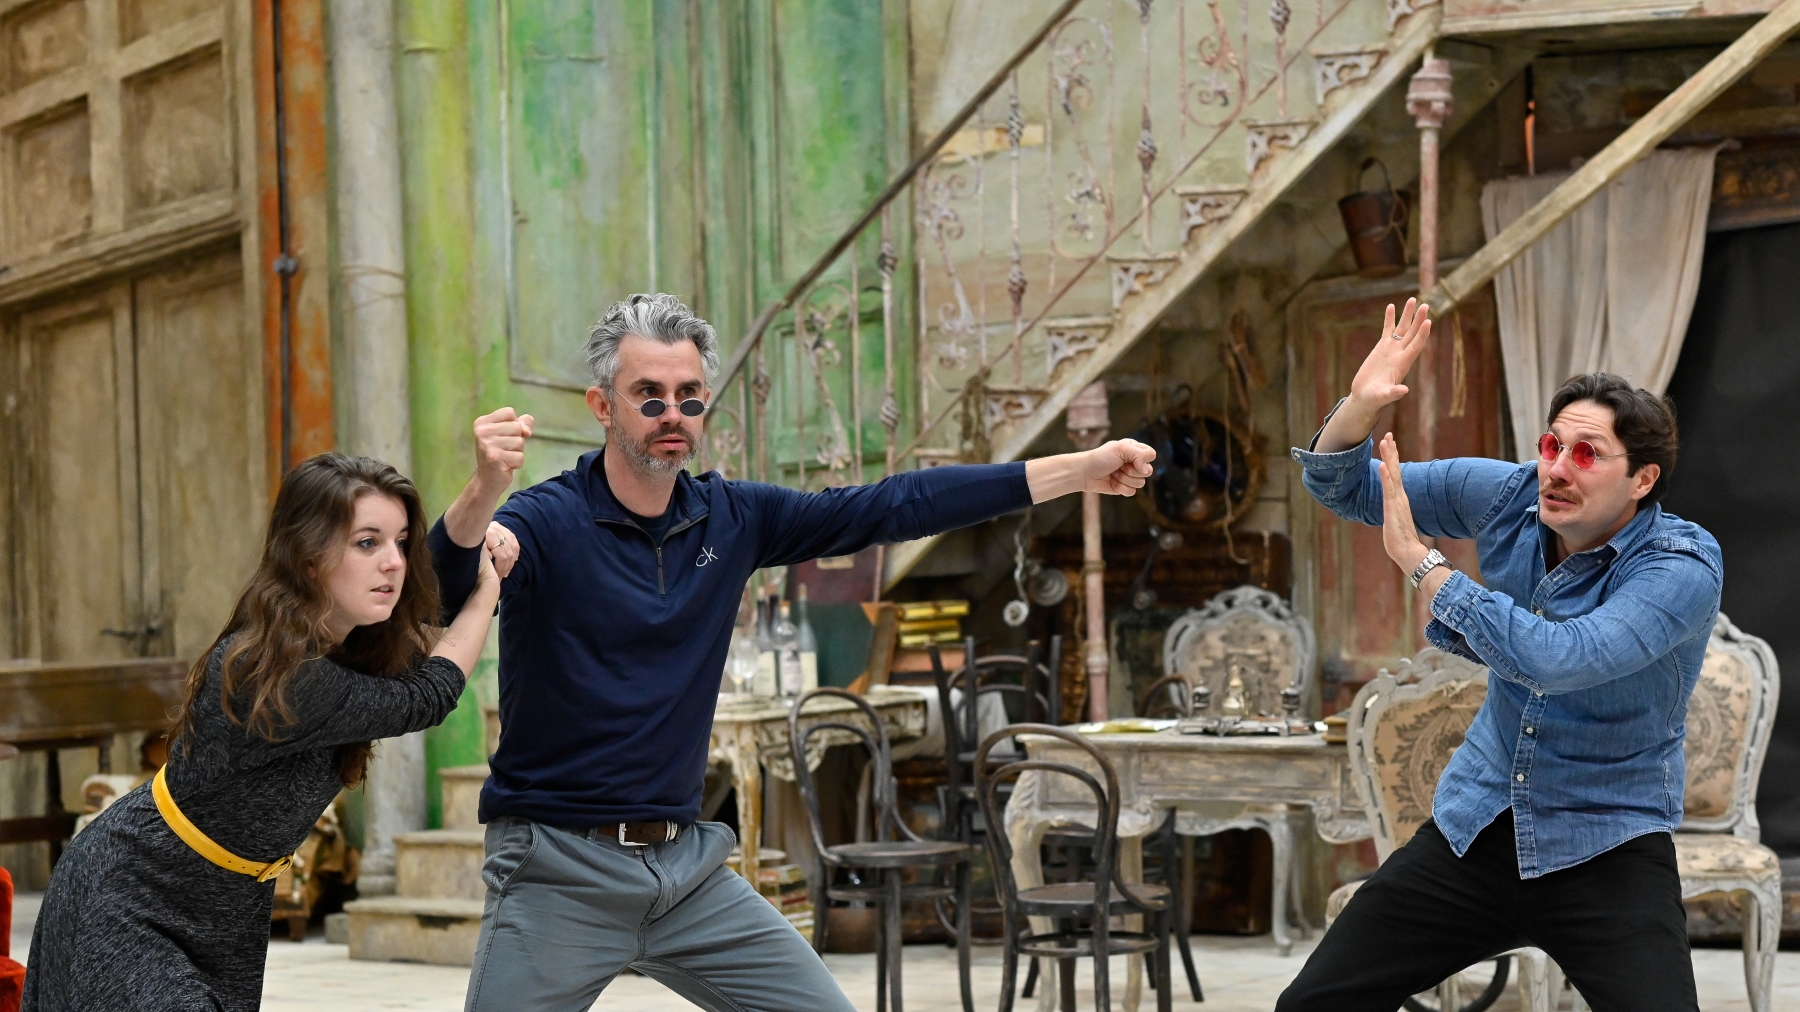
column 706, row 556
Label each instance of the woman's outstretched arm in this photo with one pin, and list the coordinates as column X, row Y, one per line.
column 462, row 642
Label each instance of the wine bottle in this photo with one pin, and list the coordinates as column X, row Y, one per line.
column 766, row 683
column 809, row 649
column 787, row 652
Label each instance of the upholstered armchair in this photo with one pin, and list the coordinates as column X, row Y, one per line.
column 1729, row 720
column 1402, row 729
column 1252, row 637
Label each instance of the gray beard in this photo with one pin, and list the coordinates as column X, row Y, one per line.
column 637, row 454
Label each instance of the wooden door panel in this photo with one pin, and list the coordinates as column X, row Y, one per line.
column 596, row 185
column 1366, row 615
column 77, row 535
column 199, row 413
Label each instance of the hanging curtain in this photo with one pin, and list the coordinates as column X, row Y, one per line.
column 1609, row 289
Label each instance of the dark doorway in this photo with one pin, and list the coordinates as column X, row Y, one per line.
column 1737, row 395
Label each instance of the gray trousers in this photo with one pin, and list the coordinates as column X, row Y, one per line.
column 566, row 913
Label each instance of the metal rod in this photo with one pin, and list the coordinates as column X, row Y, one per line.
column 284, row 265
column 800, row 352
column 856, row 412
column 890, row 409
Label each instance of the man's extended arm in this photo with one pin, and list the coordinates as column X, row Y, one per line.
column 915, row 504
column 1379, row 381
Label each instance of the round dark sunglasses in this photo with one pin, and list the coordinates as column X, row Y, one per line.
column 1582, row 454
column 655, row 406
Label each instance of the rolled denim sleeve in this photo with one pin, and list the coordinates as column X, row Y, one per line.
column 1450, row 498
column 1668, row 598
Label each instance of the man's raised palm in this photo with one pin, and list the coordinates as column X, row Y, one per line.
column 1379, row 382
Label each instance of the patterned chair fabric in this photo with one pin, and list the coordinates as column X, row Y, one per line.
column 1403, row 729
column 1720, row 725
column 1716, row 855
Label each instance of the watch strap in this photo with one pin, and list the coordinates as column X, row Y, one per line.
column 1432, row 560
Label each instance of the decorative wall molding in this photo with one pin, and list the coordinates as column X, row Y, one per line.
column 1137, row 274
column 1073, row 336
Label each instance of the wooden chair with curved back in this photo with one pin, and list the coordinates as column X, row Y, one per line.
column 1080, row 911
column 1402, row 730
column 894, row 849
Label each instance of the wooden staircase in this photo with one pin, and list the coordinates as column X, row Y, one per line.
column 1122, row 154
column 1347, row 79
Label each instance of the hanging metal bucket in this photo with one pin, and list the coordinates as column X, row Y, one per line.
column 1376, row 222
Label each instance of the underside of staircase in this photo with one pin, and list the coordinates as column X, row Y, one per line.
column 1218, row 219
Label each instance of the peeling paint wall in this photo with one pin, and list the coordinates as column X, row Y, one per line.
column 560, row 156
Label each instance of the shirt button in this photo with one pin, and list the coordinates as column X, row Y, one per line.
column 1539, row 612
column 1531, row 730
column 1521, row 778
column 1537, row 694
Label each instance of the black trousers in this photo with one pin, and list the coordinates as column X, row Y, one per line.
column 1614, row 924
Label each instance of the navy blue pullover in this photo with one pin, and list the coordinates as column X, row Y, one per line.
column 612, row 645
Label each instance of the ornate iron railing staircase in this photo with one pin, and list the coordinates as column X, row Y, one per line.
column 1115, row 158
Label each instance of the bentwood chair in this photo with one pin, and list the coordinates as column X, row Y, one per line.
column 1033, row 696
column 894, row 850
column 1080, row 912
column 1168, row 694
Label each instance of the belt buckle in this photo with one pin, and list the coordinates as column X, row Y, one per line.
column 275, row 868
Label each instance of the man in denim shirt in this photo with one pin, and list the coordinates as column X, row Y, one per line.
column 1551, row 825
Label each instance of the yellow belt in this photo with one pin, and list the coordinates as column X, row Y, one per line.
column 204, row 845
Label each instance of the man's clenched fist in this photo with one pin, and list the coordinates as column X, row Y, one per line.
column 500, row 444
column 1120, row 467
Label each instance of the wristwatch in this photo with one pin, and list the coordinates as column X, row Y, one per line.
column 1433, row 559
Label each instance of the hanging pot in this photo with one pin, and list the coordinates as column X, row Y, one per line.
column 1376, row 222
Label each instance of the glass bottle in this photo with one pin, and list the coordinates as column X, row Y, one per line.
column 787, row 651
column 765, row 683
column 809, row 648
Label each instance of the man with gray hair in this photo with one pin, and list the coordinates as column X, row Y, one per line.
column 622, row 579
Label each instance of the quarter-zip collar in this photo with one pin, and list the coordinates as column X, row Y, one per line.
column 688, row 506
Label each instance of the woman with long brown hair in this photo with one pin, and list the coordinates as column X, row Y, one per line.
column 163, row 901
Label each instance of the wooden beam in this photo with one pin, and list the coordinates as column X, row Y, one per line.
column 1695, row 94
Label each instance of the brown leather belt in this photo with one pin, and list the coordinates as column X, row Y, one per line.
column 636, row 834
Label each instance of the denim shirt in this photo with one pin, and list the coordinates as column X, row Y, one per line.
column 1591, row 663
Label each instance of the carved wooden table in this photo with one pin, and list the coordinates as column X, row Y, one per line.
column 750, row 734
column 1195, row 775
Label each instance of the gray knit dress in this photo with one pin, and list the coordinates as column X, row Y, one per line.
column 134, row 919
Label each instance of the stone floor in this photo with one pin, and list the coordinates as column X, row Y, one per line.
column 1239, row 974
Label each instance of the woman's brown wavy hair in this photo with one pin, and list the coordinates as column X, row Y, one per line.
column 279, row 621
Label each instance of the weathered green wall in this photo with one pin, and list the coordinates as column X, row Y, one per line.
column 559, row 156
